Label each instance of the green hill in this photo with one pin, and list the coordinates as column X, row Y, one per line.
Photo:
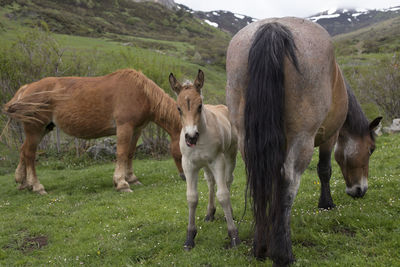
column 146, row 25
column 382, row 37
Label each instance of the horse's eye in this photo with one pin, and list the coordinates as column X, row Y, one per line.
column 371, row 150
column 180, row 111
column 199, row 109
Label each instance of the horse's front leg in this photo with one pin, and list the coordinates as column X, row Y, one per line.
column 218, row 170
column 124, row 139
column 325, row 172
column 192, row 197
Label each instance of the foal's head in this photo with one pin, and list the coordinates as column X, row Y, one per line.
column 190, row 105
column 352, row 154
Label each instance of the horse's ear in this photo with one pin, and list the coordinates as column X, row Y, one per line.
column 198, row 83
column 175, row 85
column 374, row 123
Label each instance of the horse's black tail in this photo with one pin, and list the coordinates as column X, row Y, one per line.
column 265, row 141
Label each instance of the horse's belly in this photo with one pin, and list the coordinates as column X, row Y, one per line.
column 85, row 125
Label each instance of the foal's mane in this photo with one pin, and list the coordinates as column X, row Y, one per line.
column 356, row 122
column 162, row 105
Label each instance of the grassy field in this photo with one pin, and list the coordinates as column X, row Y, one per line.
column 83, row 221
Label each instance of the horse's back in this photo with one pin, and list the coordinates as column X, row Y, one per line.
column 309, row 91
column 91, row 107
column 221, row 127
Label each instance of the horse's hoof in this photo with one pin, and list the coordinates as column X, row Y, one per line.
column 188, row 247
column 125, row 190
column 210, row 215
column 39, row 189
column 41, row 192
column 326, row 206
column 137, row 182
column 235, row 242
column 209, row 218
column 23, row 186
column 182, row 175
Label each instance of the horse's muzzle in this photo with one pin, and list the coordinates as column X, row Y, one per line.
column 191, row 140
column 357, row 191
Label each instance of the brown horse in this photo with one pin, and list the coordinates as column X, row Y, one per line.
column 121, row 103
column 286, row 94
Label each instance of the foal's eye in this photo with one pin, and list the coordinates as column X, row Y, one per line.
column 180, row 111
column 199, row 108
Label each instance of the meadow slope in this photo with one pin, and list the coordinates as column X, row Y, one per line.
column 83, row 221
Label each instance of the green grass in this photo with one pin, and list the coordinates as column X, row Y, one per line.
column 87, row 222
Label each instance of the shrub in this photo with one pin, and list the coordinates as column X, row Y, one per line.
column 381, row 85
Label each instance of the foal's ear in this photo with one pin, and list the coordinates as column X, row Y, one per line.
column 175, row 85
column 198, row 83
column 374, row 124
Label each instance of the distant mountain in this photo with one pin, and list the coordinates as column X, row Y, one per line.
column 224, row 20
column 340, row 21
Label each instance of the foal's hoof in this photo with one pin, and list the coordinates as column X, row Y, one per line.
column 210, row 215
column 235, row 242
column 209, row 218
column 38, row 188
column 182, row 175
column 41, row 192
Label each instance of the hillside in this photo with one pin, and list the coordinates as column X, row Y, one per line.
column 136, row 24
column 381, row 37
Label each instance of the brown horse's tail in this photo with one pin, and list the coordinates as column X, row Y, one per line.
column 29, row 107
column 265, row 141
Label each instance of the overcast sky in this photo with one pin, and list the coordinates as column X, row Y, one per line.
column 280, row 8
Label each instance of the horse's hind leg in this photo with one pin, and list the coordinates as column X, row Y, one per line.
column 131, row 177
column 218, row 169
column 211, row 195
column 124, row 138
column 325, row 172
column 298, row 157
column 26, row 172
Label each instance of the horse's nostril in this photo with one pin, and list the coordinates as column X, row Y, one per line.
column 186, row 136
column 358, row 192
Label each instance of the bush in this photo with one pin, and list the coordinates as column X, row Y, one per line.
column 381, row 85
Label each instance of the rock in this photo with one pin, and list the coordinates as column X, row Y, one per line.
column 105, row 150
column 394, row 128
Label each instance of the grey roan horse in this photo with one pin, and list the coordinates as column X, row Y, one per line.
column 286, row 94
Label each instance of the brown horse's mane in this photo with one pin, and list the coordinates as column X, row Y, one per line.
column 162, row 105
column 356, row 122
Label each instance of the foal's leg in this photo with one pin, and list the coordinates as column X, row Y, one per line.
column 325, row 172
column 297, row 160
column 26, row 172
column 211, row 194
column 124, row 138
column 218, row 169
column 131, row 177
column 192, row 197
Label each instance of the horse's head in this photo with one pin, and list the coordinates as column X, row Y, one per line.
column 190, row 106
column 352, row 154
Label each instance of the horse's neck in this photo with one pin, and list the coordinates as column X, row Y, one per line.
column 166, row 115
column 203, row 120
